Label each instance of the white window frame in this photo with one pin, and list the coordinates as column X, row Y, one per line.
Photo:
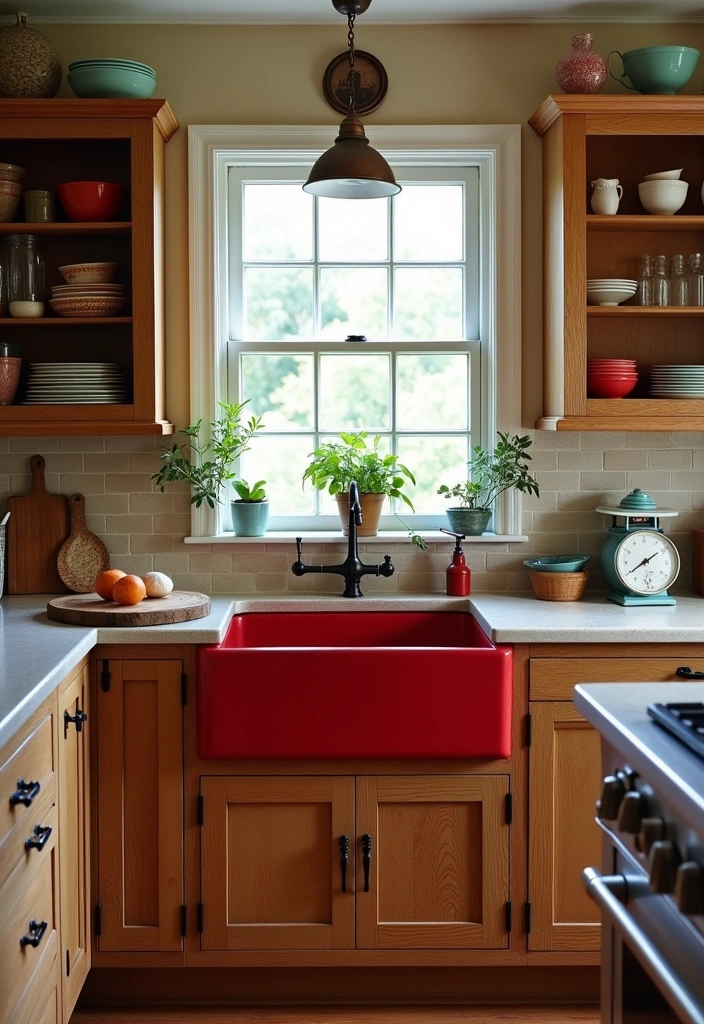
column 495, row 149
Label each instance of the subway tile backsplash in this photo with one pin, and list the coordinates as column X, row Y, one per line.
column 144, row 529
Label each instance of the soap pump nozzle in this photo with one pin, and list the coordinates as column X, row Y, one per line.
column 457, row 574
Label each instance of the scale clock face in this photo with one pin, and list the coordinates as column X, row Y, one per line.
column 647, row 562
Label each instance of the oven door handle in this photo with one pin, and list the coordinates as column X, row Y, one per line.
column 610, row 893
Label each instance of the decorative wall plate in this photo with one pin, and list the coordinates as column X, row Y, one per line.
column 371, row 82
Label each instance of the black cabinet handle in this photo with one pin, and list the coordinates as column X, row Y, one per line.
column 39, row 838
column 344, row 842
column 78, row 719
column 366, row 858
column 35, row 934
column 685, row 672
column 25, row 792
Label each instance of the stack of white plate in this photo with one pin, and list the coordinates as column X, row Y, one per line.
column 76, row 384
column 677, row 382
column 609, row 291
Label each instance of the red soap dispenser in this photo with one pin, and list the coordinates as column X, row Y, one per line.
column 457, row 574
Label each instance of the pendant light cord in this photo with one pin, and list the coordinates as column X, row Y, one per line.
column 350, row 73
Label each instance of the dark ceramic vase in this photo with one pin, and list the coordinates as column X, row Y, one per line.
column 472, row 522
column 30, row 67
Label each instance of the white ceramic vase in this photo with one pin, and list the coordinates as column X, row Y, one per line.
column 606, row 196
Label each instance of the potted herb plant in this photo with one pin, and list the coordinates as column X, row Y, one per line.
column 488, row 476
column 250, row 512
column 335, row 464
column 207, row 465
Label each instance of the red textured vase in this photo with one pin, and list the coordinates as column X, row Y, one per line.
column 582, row 70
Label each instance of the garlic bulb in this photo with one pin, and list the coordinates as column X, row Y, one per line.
column 158, row 584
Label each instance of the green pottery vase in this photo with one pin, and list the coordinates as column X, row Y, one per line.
column 249, row 518
column 472, row 522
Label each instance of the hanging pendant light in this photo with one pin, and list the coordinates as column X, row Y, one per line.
column 351, row 169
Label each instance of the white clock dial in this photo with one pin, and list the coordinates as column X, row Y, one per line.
column 647, row 562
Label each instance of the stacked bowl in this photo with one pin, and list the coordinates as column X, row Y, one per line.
column 662, row 192
column 108, row 78
column 11, row 178
column 90, row 291
column 611, row 378
column 677, row 381
column 610, row 291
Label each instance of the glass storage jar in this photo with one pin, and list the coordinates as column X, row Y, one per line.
column 24, row 265
column 661, row 282
column 679, row 283
column 644, row 288
column 696, row 279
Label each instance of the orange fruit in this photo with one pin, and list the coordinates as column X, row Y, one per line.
column 105, row 581
column 129, row 590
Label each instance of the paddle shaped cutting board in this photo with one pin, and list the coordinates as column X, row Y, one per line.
column 37, row 528
column 83, row 556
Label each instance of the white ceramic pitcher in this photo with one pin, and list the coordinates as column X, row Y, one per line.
column 606, row 195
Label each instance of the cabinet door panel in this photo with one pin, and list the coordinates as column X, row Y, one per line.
column 140, row 806
column 271, row 863
column 74, row 840
column 439, row 869
column 565, row 778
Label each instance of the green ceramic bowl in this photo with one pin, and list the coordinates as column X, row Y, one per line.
column 111, row 83
column 558, row 563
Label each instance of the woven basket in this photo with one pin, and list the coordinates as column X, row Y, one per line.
column 558, row 586
column 698, row 561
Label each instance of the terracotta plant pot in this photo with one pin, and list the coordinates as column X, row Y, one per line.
column 371, row 512
column 472, row 522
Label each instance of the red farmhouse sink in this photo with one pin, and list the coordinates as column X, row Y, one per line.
column 354, row 685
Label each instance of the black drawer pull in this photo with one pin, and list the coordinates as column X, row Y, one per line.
column 366, row 858
column 25, row 792
column 35, row 934
column 78, row 719
column 685, row 672
column 39, row 838
column 344, row 843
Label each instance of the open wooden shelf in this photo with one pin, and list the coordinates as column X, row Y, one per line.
column 67, row 228
column 61, row 321
column 664, row 312
column 646, row 222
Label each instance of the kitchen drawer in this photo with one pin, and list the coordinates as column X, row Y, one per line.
column 27, row 896
column 40, row 1002
column 556, row 678
column 42, row 815
column 31, row 762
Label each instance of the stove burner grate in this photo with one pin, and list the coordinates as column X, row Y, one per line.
column 685, row 721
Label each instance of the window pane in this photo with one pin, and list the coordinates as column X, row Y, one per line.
column 431, row 392
column 428, row 223
column 353, row 301
column 280, row 388
column 428, row 304
column 278, row 303
column 433, row 461
column 281, row 461
column 353, row 232
column 354, row 392
column 278, row 222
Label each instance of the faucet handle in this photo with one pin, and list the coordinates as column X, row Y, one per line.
column 299, row 547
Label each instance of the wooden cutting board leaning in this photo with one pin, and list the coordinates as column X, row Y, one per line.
column 90, row 610
column 83, row 556
column 38, row 526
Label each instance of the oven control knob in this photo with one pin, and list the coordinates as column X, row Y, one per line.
column 631, row 812
column 651, row 829
column 665, row 858
column 612, row 794
column 689, row 888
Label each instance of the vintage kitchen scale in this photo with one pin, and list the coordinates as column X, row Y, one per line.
column 638, row 561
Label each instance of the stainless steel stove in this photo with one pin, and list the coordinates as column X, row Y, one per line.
column 651, row 884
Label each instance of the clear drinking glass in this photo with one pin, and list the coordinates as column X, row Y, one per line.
column 661, row 281
column 679, row 282
column 644, row 289
column 696, row 279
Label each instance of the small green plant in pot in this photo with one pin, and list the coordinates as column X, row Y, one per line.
column 250, row 512
column 488, row 476
column 335, row 464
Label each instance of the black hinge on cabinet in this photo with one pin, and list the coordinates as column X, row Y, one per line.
column 98, row 919
column 68, row 963
column 509, row 915
column 184, row 918
column 200, row 813
column 201, row 914
column 529, row 730
column 529, row 916
column 509, row 808
column 184, row 689
column 105, row 677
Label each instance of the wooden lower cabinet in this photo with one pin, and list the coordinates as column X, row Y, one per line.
column 74, row 835
column 139, row 744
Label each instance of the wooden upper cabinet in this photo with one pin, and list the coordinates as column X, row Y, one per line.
column 438, row 877
column 119, row 141
column 624, row 137
column 565, row 780
column 270, row 863
column 139, row 745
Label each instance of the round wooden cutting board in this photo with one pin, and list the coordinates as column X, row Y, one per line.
column 91, row 610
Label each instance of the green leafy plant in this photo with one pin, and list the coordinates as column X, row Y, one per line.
column 252, row 494
column 489, row 475
column 207, row 465
column 336, row 465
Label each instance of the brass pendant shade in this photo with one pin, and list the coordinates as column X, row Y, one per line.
column 351, row 169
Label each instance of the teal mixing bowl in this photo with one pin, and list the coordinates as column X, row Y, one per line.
column 111, row 83
column 557, row 563
column 658, row 70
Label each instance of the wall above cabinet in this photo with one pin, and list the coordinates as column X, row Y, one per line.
column 586, row 137
column 123, row 392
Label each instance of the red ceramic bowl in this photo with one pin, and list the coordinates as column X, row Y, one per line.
column 614, row 387
column 90, row 200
